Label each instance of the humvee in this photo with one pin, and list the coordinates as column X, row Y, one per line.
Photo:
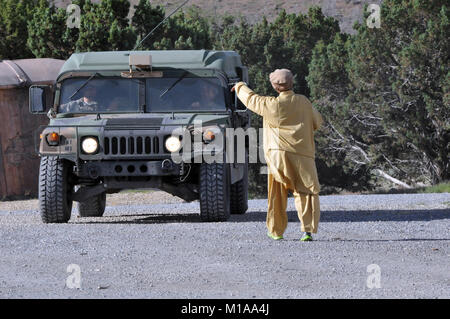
column 118, row 118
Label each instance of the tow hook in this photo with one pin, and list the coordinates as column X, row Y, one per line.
column 167, row 165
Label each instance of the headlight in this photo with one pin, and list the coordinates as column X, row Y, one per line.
column 89, row 145
column 173, row 144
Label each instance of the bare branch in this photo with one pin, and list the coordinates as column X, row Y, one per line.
column 392, row 179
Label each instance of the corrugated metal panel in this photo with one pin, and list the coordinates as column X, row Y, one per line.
column 19, row 163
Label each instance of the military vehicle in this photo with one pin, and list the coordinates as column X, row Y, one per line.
column 118, row 118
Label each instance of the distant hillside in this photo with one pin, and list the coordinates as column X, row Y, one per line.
column 345, row 11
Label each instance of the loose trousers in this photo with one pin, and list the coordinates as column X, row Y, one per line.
column 289, row 171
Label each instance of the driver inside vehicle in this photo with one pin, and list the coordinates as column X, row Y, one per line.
column 87, row 103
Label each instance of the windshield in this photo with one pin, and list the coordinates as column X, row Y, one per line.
column 185, row 94
column 99, row 95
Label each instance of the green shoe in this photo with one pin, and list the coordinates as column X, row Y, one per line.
column 274, row 237
column 306, row 237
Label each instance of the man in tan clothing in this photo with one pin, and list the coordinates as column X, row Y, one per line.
column 289, row 122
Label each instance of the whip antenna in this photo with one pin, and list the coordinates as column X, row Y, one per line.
column 217, row 25
column 145, row 38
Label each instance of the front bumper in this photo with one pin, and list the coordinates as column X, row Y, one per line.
column 95, row 169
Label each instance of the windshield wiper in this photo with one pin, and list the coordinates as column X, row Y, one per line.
column 83, row 85
column 174, row 83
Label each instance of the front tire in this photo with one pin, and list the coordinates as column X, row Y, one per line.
column 54, row 190
column 214, row 192
column 239, row 194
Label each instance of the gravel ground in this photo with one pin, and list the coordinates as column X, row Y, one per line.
column 122, row 198
column 150, row 245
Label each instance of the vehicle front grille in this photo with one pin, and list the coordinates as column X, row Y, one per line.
column 132, row 145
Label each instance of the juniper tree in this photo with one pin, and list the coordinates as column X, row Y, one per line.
column 14, row 15
column 388, row 110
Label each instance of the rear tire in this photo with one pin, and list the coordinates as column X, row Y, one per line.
column 54, row 190
column 93, row 206
column 214, row 192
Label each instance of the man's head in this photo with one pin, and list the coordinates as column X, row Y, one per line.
column 282, row 80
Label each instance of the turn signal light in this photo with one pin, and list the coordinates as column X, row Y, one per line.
column 53, row 139
column 209, row 136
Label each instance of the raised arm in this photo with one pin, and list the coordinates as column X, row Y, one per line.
column 254, row 102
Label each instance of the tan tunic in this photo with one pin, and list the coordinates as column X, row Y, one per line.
column 289, row 122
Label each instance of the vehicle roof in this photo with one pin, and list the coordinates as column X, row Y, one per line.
column 226, row 61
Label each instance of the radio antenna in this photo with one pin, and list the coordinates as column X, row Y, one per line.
column 217, row 25
column 145, row 38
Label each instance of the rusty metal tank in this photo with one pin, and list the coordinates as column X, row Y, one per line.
column 19, row 163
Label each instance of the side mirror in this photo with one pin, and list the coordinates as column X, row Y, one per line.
column 38, row 99
column 238, row 105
